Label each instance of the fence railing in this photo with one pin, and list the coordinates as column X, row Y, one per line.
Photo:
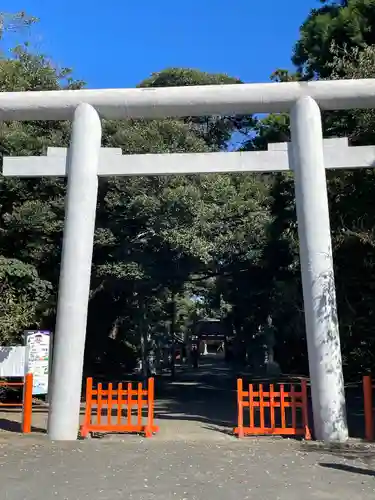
column 126, row 408
column 369, row 409
column 266, row 411
column 27, row 400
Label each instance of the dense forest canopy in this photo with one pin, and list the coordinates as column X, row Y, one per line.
column 163, row 242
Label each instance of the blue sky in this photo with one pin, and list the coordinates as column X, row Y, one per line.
column 118, row 44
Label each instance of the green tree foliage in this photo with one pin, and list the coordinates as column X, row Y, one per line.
column 346, row 51
column 23, row 297
column 216, row 131
column 348, row 23
column 31, row 210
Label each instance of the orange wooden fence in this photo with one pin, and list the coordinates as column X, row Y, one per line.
column 120, row 409
column 27, row 401
column 281, row 412
column 369, row 409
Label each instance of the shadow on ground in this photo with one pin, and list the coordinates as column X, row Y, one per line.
column 204, row 396
column 9, row 425
column 348, row 468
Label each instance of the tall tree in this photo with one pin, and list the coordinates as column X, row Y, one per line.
column 349, row 23
column 216, row 131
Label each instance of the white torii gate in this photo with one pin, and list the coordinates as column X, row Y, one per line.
column 307, row 156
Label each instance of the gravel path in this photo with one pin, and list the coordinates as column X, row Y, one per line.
column 132, row 468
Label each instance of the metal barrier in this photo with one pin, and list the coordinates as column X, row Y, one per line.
column 273, row 412
column 369, row 409
column 101, row 403
column 27, row 400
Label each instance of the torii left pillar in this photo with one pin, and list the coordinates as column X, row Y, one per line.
column 75, row 274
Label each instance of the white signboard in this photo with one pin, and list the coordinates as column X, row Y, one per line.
column 12, row 361
column 38, row 363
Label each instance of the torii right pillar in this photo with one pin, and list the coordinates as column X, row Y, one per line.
column 322, row 330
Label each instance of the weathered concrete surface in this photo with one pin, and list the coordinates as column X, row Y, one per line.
column 154, row 470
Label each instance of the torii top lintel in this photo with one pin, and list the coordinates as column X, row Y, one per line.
column 187, row 101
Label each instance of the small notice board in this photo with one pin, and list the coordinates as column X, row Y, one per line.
column 38, row 343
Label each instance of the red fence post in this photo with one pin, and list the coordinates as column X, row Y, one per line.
column 240, row 408
column 87, row 417
column 305, row 410
column 150, row 408
column 368, row 409
column 27, row 403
